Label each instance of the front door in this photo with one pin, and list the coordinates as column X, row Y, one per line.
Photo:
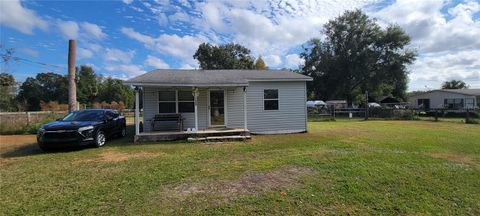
column 217, row 108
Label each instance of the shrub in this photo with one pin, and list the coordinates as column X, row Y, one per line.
column 472, row 121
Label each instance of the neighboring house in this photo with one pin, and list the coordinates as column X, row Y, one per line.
column 446, row 98
column 337, row 104
column 257, row 101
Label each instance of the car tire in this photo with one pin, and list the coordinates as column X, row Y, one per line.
column 100, row 139
column 44, row 148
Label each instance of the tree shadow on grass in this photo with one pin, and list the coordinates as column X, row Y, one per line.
column 33, row 149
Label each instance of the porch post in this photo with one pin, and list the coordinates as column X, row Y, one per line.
column 137, row 112
column 195, row 102
column 245, row 108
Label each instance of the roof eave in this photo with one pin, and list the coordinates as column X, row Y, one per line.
column 185, row 85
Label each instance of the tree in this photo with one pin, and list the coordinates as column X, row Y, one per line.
column 87, row 88
column 54, row 87
column 30, row 94
column 44, row 87
column 7, row 92
column 226, row 56
column 114, row 90
column 357, row 55
column 454, row 84
column 260, row 64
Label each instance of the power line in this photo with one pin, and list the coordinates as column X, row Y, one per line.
column 36, row 62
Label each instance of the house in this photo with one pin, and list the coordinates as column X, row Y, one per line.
column 446, row 98
column 211, row 101
column 337, row 104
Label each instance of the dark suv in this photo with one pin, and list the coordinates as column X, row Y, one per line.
column 84, row 127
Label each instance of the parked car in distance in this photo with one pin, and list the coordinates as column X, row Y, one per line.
column 85, row 127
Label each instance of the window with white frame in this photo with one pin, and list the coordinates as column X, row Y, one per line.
column 469, row 103
column 270, row 99
column 453, row 103
column 186, row 102
column 167, row 102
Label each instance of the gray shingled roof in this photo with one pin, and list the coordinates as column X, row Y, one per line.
column 174, row 77
column 474, row 92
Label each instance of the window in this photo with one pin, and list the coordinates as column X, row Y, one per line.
column 270, row 99
column 453, row 103
column 185, row 102
column 166, row 102
column 469, row 103
column 423, row 104
column 111, row 115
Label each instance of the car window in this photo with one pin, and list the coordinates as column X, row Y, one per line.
column 111, row 114
column 85, row 115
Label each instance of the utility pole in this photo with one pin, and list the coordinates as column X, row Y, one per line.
column 366, row 105
column 72, row 86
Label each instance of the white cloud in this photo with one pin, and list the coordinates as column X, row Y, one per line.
column 116, row 55
column 93, row 30
column 30, row 52
column 124, row 71
column 69, row 29
column 127, row 1
column 432, row 69
column 272, row 60
column 293, row 61
column 83, row 53
column 147, row 40
column 14, row 15
column 156, row 62
column 179, row 17
column 188, row 67
column 448, row 44
column 171, row 44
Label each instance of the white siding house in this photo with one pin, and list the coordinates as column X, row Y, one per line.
column 256, row 101
column 446, row 98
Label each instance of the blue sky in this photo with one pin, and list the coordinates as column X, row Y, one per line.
column 126, row 38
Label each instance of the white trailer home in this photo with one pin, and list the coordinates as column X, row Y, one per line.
column 227, row 102
column 446, row 98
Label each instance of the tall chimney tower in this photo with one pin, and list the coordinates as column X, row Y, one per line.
column 72, row 86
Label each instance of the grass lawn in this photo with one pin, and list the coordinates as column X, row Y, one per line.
column 344, row 167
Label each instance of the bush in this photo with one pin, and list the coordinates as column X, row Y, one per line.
column 460, row 114
column 472, row 121
column 393, row 114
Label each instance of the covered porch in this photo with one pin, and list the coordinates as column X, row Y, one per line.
column 206, row 113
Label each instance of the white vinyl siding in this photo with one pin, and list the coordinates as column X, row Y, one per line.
column 290, row 116
column 437, row 99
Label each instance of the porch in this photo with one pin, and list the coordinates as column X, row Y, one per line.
column 211, row 134
column 206, row 113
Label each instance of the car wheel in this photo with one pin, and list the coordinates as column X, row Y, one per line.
column 100, row 139
column 44, row 148
column 123, row 132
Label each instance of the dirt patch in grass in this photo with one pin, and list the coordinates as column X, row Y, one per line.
column 456, row 158
column 16, row 141
column 111, row 156
column 251, row 183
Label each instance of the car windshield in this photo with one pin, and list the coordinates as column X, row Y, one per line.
column 86, row 115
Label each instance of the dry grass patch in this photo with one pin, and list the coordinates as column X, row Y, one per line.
column 251, row 183
column 111, row 156
column 455, row 158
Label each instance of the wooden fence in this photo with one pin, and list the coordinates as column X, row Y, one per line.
column 11, row 122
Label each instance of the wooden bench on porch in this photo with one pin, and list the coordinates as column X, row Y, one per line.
column 167, row 122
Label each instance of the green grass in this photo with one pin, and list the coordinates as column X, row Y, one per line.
column 357, row 167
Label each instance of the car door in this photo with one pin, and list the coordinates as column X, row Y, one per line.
column 110, row 123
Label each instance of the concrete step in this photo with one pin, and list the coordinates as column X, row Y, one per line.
column 220, row 138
